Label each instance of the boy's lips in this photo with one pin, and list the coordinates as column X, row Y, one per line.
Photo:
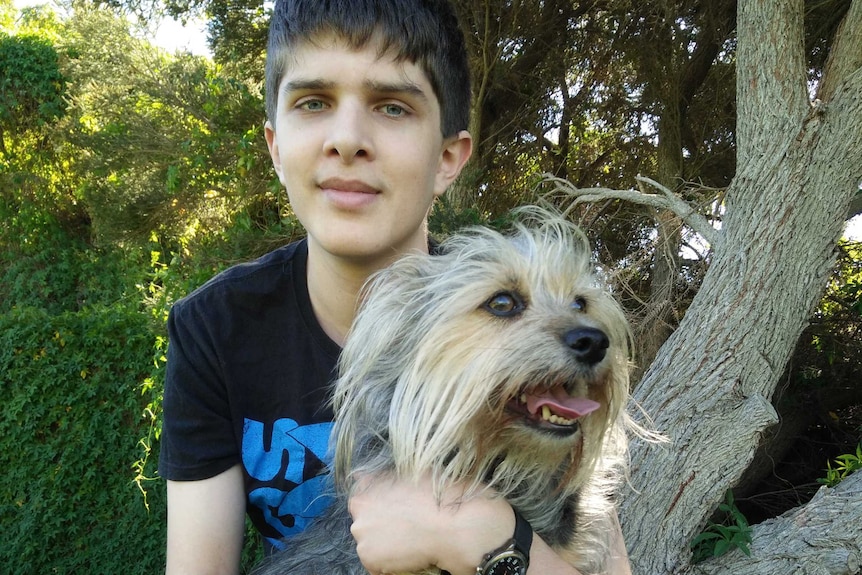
column 348, row 193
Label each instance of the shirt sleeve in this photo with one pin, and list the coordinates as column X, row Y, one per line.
column 197, row 440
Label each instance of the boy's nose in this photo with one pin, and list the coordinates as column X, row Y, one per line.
column 350, row 136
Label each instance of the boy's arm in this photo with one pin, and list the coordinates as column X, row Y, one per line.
column 544, row 560
column 206, row 521
column 400, row 528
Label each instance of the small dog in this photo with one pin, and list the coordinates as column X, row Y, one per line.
column 500, row 364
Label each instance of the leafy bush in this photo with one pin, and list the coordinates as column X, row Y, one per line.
column 32, row 88
column 45, row 262
column 719, row 538
column 844, row 465
column 446, row 218
column 72, row 419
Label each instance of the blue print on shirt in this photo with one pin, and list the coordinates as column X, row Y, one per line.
column 295, row 454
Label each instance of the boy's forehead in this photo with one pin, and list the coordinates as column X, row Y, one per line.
column 323, row 52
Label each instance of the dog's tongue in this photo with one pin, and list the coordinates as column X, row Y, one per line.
column 562, row 404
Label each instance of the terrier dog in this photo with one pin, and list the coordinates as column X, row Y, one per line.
column 500, row 363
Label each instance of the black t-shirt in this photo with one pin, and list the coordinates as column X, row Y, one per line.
column 247, row 381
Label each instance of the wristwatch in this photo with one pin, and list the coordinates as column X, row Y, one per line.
column 513, row 557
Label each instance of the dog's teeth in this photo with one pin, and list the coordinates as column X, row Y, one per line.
column 554, row 418
column 523, row 398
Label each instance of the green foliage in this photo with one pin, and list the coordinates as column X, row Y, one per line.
column 252, row 548
column 446, row 219
column 238, row 30
column 69, row 434
column 844, row 465
column 185, row 140
column 719, row 538
column 844, row 293
column 31, row 86
column 7, row 15
column 46, row 265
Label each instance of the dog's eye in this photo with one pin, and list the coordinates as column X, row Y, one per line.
column 504, row 304
column 580, row 304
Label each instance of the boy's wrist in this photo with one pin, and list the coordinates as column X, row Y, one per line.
column 469, row 531
column 513, row 557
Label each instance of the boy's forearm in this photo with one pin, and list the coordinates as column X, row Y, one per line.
column 545, row 560
column 391, row 516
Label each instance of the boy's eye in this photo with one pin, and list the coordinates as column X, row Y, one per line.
column 393, row 110
column 312, row 105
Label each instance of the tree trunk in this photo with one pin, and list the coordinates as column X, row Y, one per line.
column 709, row 388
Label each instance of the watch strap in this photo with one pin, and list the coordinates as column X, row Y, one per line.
column 523, row 536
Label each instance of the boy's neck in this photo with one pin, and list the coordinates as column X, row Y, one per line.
column 334, row 284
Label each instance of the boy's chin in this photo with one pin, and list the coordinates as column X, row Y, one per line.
column 372, row 249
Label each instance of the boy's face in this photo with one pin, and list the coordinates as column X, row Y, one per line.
column 357, row 144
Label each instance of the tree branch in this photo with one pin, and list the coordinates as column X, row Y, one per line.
column 823, row 537
column 771, row 90
column 845, row 56
column 667, row 200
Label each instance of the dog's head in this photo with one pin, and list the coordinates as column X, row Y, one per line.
column 501, row 359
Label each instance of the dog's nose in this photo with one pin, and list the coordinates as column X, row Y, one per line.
column 589, row 344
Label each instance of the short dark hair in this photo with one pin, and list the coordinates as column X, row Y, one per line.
column 424, row 32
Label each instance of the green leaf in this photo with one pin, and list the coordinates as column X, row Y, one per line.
column 721, row 547
column 705, row 536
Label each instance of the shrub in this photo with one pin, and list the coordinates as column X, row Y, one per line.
column 844, row 465
column 719, row 538
column 70, row 426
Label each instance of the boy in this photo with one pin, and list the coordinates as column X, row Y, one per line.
column 367, row 106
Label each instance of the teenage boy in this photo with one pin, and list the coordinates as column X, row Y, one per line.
column 367, row 106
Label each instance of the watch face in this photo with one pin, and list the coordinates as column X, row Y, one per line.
column 510, row 565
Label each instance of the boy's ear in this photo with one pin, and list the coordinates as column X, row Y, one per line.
column 456, row 151
column 272, row 144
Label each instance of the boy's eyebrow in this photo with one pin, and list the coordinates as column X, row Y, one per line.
column 405, row 87
column 302, row 84
column 377, row 87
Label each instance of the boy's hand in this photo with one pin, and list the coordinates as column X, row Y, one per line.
column 400, row 528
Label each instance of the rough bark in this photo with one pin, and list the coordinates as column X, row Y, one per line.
column 709, row 388
column 846, row 53
column 651, row 335
column 824, row 536
column 771, row 88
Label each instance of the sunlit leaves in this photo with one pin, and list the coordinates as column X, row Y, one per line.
column 163, row 136
column 31, row 85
